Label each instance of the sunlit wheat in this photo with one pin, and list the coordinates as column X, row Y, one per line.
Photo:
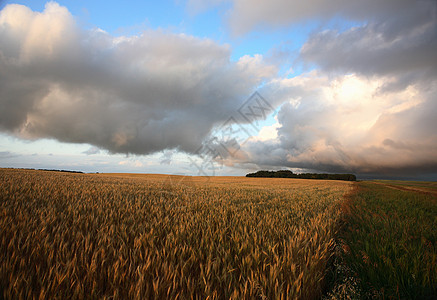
column 96, row 236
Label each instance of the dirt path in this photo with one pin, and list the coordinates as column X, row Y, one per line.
column 409, row 188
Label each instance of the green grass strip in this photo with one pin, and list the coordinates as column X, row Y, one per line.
column 390, row 242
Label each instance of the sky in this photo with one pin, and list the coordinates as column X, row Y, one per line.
column 220, row 87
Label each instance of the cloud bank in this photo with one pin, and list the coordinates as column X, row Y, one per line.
column 138, row 94
column 346, row 124
column 247, row 15
column 369, row 107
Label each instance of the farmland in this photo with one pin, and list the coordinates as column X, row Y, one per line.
column 155, row 236
column 132, row 236
column 390, row 240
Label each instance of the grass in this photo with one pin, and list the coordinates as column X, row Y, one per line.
column 152, row 237
column 424, row 186
column 390, row 243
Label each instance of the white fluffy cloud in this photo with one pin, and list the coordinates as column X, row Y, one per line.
column 137, row 94
column 346, row 124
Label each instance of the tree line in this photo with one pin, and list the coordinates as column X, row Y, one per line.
column 290, row 174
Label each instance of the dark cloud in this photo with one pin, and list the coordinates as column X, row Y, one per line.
column 403, row 48
column 138, row 94
column 247, row 15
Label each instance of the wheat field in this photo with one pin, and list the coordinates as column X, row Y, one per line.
column 127, row 236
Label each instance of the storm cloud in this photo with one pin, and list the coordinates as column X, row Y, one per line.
column 137, row 94
column 248, row 15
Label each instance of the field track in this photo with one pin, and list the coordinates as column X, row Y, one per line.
column 424, row 190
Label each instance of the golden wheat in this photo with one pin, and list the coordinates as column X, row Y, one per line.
column 155, row 236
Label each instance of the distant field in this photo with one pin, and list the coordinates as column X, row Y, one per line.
column 420, row 186
column 125, row 236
